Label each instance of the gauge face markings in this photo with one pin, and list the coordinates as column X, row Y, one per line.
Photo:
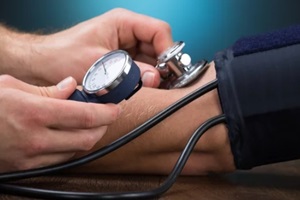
column 105, row 71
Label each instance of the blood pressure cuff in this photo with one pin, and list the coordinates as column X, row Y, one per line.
column 259, row 89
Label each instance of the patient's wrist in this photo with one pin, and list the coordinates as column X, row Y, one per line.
column 215, row 142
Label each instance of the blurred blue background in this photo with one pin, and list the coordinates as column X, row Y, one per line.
column 206, row 26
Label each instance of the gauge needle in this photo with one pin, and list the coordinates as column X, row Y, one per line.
column 105, row 72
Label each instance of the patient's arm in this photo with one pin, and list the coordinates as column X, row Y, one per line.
column 157, row 150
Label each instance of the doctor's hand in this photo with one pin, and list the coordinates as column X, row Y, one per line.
column 47, row 59
column 40, row 128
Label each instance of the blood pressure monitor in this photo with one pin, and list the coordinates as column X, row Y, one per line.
column 115, row 77
column 111, row 79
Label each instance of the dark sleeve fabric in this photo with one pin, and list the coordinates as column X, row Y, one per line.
column 259, row 89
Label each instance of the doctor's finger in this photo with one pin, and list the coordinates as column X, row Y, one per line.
column 132, row 30
column 150, row 75
column 68, row 141
column 72, row 114
column 61, row 91
column 43, row 161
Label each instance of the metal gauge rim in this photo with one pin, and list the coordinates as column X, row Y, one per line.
column 114, row 82
column 187, row 78
column 171, row 52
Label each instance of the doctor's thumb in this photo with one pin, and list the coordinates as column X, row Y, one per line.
column 150, row 75
column 62, row 90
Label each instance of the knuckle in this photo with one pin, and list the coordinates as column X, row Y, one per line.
column 6, row 80
column 116, row 13
column 34, row 146
column 34, row 116
column 89, row 119
column 113, row 114
column 44, row 91
column 164, row 25
column 118, row 10
column 24, row 165
column 88, row 142
column 92, row 138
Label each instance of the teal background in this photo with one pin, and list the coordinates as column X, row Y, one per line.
column 206, row 26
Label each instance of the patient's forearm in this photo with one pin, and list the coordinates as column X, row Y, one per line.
column 157, row 150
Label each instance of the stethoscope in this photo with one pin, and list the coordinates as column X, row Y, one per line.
column 111, row 79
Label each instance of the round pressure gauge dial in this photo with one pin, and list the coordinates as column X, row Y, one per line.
column 110, row 79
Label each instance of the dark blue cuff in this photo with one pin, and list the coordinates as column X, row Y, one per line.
column 267, row 41
column 259, row 91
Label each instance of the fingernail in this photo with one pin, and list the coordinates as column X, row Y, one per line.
column 64, row 83
column 148, row 79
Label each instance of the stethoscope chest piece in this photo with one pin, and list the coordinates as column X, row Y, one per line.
column 176, row 68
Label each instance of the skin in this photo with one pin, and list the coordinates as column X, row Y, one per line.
column 47, row 59
column 157, row 150
column 39, row 126
column 36, row 135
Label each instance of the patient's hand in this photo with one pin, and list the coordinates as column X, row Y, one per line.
column 157, row 150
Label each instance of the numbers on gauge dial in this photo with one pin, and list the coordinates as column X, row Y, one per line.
column 105, row 71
